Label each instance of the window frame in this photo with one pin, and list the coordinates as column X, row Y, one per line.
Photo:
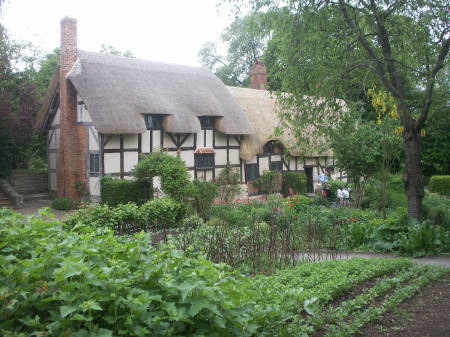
column 247, row 175
column 276, row 163
column 207, row 122
column 272, row 147
column 200, row 157
column 154, row 118
column 94, row 164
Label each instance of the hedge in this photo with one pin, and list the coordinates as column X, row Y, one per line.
column 440, row 184
column 157, row 214
column 294, row 180
column 122, row 191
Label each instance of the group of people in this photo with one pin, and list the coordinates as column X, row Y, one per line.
column 343, row 195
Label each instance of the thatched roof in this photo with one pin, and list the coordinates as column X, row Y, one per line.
column 261, row 109
column 42, row 115
column 119, row 90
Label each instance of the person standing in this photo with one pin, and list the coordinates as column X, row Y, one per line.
column 346, row 196
column 340, row 197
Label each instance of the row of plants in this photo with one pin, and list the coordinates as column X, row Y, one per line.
column 87, row 281
column 350, row 315
column 352, row 229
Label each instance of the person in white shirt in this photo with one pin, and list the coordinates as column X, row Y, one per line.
column 346, row 196
column 340, row 196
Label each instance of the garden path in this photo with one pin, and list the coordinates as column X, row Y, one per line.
column 442, row 260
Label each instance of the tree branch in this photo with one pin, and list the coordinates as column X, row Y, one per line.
column 383, row 40
column 379, row 66
column 430, row 82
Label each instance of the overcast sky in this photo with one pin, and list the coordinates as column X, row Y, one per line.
column 169, row 31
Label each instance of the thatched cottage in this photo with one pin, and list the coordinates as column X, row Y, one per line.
column 102, row 111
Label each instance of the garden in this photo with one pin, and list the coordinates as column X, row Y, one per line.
column 184, row 265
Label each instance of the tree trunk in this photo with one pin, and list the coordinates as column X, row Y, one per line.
column 414, row 179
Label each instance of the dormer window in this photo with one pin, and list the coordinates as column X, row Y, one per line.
column 272, row 147
column 207, row 122
column 153, row 122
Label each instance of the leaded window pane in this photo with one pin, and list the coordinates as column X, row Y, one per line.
column 251, row 172
column 204, row 161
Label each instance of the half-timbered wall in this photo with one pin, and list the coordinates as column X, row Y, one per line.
column 312, row 166
column 119, row 153
column 53, row 138
column 116, row 155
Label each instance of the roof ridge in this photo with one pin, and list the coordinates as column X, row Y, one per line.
column 125, row 61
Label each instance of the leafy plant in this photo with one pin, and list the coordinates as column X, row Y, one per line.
column 162, row 213
column 294, row 180
column 62, row 204
column 440, row 184
column 269, row 182
column 228, row 184
column 437, row 210
column 62, row 283
column 123, row 191
column 204, row 194
column 423, row 238
column 172, row 170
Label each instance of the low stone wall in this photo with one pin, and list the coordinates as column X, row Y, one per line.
column 29, row 181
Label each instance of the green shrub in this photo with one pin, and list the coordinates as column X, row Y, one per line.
column 122, row 191
column 386, row 231
column 105, row 216
column 228, row 183
column 238, row 215
column 423, row 238
column 269, row 182
column 396, row 192
column 62, row 204
column 437, row 210
column 162, row 213
column 296, row 181
column 440, row 184
column 67, row 283
column 334, row 185
column 172, row 170
column 204, row 194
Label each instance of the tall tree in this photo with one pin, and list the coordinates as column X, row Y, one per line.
column 18, row 103
column 328, row 46
column 245, row 40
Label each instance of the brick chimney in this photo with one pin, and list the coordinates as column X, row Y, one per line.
column 258, row 76
column 71, row 168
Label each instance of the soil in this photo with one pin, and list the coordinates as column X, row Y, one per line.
column 425, row 315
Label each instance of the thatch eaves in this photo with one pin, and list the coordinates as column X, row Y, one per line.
column 119, row 90
column 43, row 114
column 261, row 109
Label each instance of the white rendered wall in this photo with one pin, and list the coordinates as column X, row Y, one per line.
column 112, row 162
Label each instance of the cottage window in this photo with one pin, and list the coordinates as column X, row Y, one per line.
column 94, row 164
column 276, row 166
column 204, row 160
column 153, row 122
column 272, row 147
column 207, row 122
column 251, row 172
